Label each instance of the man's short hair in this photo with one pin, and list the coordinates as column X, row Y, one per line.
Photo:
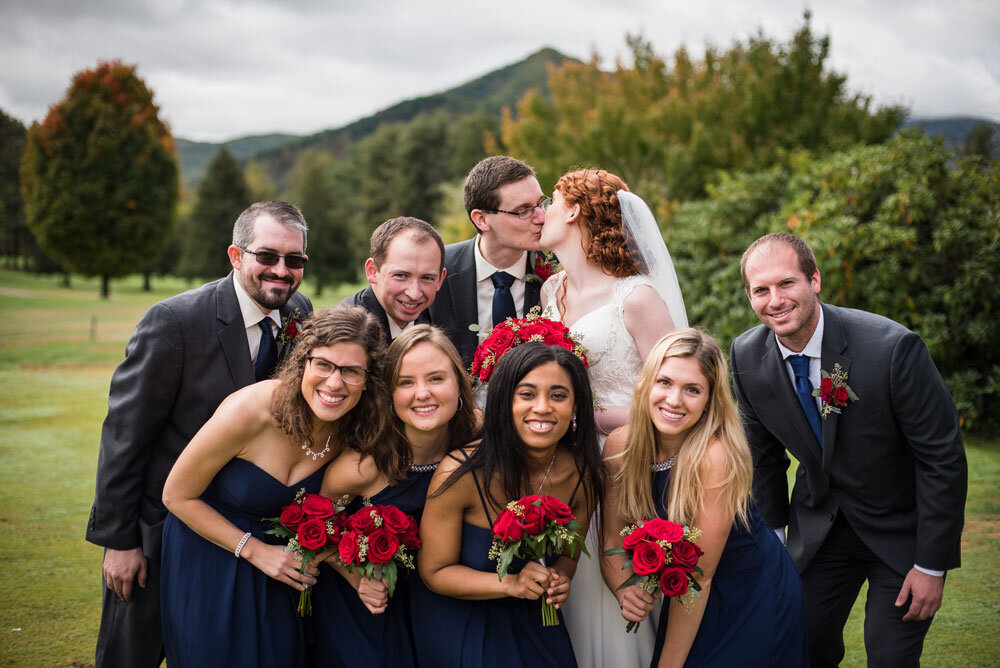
column 283, row 212
column 484, row 181
column 807, row 260
column 390, row 229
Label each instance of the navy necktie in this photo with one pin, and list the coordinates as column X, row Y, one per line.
column 503, row 301
column 803, row 389
column 267, row 353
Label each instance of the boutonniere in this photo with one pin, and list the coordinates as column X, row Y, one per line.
column 834, row 391
column 546, row 263
column 291, row 325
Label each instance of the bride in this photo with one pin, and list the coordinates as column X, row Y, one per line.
column 619, row 293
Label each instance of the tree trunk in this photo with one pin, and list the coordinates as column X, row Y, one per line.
column 105, row 287
column 65, row 279
column 147, row 285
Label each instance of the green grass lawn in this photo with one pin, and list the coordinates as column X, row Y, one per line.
column 58, row 348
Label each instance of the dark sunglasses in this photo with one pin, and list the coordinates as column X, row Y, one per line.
column 269, row 259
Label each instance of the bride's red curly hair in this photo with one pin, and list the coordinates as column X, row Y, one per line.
column 596, row 191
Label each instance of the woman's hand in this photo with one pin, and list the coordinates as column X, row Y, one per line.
column 530, row 583
column 275, row 562
column 558, row 589
column 374, row 594
column 636, row 603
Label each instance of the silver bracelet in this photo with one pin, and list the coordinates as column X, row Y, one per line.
column 243, row 541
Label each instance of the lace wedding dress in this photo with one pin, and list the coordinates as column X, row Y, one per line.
column 591, row 612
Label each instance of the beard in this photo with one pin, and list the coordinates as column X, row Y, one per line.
column 269, row 297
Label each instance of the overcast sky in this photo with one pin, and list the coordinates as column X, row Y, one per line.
column 226, row 68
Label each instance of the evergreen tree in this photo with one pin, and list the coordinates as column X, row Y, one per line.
column 207, row 233
column 99, row 176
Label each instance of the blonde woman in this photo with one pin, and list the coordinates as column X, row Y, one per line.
column 683, row 457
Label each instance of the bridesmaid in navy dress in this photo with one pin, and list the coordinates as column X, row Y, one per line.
column 229, row 592
column 683, row 457
column 356, row 623
column 538, row 437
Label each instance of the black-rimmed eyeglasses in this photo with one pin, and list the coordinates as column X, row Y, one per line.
column 269, row 259
column 526, row 212
column 324, row 368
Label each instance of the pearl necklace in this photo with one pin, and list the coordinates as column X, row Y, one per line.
column 321, row 453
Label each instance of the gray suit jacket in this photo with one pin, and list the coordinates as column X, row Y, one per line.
column 367, row 300
column 892, row 462
column 455, row 306
column 187, row 354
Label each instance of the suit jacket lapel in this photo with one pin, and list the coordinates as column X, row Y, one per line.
column 532, row 285
column 233, row 334
column 462, row 285
column 834, row 344
column 777, row 376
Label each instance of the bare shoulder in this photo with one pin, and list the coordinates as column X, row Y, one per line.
column 351, row 473
column 614, row 447
column 451, row 463
column 716, row 462
column 247, row 411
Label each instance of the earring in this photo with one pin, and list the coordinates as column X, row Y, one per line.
column 573, row 424
column 460, row 404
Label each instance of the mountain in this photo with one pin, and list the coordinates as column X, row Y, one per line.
column 278, row 153
column 953, row 129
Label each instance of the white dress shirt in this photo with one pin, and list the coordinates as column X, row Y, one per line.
column 253, row 315
column 485, row 289
column 394, row 329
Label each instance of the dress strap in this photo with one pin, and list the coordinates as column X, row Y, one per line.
column 579, row 480
column 479, row 490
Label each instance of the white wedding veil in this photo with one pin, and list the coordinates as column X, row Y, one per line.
column 645, row 243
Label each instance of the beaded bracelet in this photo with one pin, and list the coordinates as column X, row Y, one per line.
column 243, row 541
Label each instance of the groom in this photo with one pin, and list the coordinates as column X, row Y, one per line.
column 187, row 354
column 491, row 276
column 880, row 488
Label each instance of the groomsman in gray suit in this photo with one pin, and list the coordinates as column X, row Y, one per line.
column 491, row 276
column 187, row 354
column 880, row 488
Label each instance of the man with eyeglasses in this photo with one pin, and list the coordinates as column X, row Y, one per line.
column 491, row 276
column 187, row 354
column 405, row 270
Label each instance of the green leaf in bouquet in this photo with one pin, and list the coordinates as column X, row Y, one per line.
column 506, row 556
column 633, row 579
column 615, row 550
column 390, row 574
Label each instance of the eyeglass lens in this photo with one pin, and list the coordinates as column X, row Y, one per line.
column 269, row 259
column 352, row 375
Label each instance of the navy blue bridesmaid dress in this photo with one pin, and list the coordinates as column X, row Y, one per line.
column 219, row 610
column 755, row 615
column 346, row 632
column 495, row 633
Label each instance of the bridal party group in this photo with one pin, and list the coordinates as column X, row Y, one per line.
column 514, row 451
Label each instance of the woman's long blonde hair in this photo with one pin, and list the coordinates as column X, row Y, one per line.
column 720, row 422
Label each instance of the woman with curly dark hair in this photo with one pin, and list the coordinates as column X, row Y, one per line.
column 619, row 294
column 229, row 592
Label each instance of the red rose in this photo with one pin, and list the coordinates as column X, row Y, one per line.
column 826, row 385
column 394, row 519
column 684, row 555
column 535, row 328
column 633, row 540
column 348, row 547
column 312, row 534
column 554, row 509
column 382, row 546
column 292, row 329
column 507, row 528
column 661, row 529
column 501, row 340
column 543, row 269
column 533, row 520
column 477, row 361
column 840, row 396
column 292, row 516
column 363, row 521
column 411, row 537
column 648, row 558
column 673, row 582
column 317, row 505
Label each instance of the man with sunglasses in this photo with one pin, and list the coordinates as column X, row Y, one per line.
column 187, row 354
column 491, row 276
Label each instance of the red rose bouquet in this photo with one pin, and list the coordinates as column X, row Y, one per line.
column 376, row 539
column 515, row 331
column 312, row 524
column 663, row 556
column 533, row 527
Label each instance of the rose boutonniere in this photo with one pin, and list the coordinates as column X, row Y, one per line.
column 545, row 264
column 834, row 391
column 291, row 325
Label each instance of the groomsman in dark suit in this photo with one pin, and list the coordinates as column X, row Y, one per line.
column 491, row 276
column 187, row 354
column 880, row 488
column 405, row 271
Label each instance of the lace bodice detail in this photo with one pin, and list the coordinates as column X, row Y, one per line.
column 612, row 354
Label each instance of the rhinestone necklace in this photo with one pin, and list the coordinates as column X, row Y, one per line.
column 657, row 467
column 321, row 453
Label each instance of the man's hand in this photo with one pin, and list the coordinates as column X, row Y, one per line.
column 121, row 568
column 925, row 591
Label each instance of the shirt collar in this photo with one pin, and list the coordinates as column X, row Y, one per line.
column 484, row 269
column 248, row 307
column 815, row 346
column 394, row 329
